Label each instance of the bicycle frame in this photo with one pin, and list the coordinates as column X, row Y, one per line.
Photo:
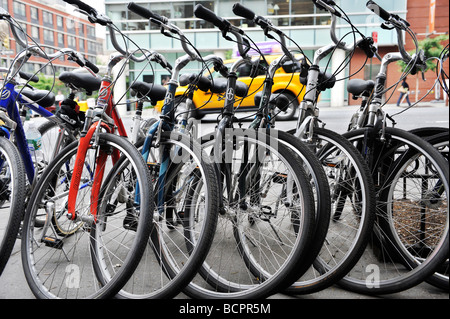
column 104, row 116
column 9, row 101
column 265, row 117
column 307, row 121
column 370, row 110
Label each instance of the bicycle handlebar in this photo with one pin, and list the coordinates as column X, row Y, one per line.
column 207, row 15
column 163, row 22
column 101, row 19
column 244, row 12
column 265, row 24
column 225, row 26
column 83, row 6
column 144, row 12
column 398, row 23
column 327, row 5
column 375, row 8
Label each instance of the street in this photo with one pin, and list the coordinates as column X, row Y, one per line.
column 13, row 284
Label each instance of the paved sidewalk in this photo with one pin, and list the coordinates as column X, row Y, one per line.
column 13, row 285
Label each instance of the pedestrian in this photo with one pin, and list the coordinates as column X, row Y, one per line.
column 165, row 80
column 404, row 91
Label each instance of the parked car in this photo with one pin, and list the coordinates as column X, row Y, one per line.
column 285, row 82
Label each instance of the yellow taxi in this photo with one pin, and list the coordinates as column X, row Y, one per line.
column 284, row 81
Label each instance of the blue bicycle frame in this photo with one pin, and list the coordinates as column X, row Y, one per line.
column 166, row 124
column 8, row 100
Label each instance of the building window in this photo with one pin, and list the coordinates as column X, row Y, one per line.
column 49, row 36
column 34, row 14
column 35, row 32
column 19, row 9
column 60, row 39
column 91, row 46
column 59, row 22
column 90, row 32
column 80, row 29
column 81, row 44
column 47, row 18
column 71, row 42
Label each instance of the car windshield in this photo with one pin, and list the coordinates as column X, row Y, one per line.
column 244, row 70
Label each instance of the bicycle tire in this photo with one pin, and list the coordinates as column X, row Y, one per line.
column 74, row 275
column 218, row 278
column 391, row 272
column 351, row 221
column 321, row 191
column 175, row 260
column 440, row 279
column 49, row 135
column 12, row 198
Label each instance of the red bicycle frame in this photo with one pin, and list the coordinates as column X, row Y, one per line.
column 105, row 96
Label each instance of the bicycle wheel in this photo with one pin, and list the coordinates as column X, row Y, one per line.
column 352, row 211
column 50, row 134
column 440, row 141
column 12, row 198
column 66, row 266
column 410, row 238
column 267, row 222
column 181, row 238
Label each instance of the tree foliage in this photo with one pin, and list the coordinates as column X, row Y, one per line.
column 432, row 47
column 50, row 84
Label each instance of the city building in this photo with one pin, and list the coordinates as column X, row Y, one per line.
column 300, row 19
column 51, row 24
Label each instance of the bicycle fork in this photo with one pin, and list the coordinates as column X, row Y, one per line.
column 84, row 145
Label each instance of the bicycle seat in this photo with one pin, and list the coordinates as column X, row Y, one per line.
column 278, row 100
column 358, row 87
column 220, row 86
column 42, row 97
column 202, row 82
column 155, row 92
column 85, row 81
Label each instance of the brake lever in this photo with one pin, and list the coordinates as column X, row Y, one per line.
column 387, row 26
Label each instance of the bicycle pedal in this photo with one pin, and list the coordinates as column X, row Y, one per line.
column 53, row 242
column 266, row 210
column 130, row 223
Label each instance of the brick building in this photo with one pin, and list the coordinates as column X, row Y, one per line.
column 49, row 23
column 418, row 15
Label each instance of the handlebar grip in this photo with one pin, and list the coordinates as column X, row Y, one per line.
column 83, row 6
column 144, row 12
column 240, row 10
column 206, row 14
column 92, row 66
column 375, row 8
column 327, row 5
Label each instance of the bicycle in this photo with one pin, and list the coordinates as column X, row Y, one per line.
column 70, row 187
column 346, row 171
column 409, row 174
column 131, row 192
column 199, row 286
column 12, row 128
column 240, row 207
